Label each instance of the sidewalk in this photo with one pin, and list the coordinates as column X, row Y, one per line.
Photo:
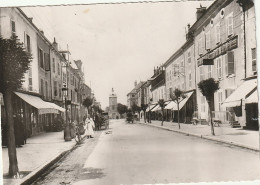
column 40, row 151
column 235, row 136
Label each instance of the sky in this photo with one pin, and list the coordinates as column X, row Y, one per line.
column 117, row 43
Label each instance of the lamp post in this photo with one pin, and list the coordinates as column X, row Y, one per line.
column 150, row 121
column 67, row 136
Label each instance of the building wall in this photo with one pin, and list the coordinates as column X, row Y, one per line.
column 44, row 67
column 158, row 93
column 56, row 75
column 22, row 28
column 207, row 37
column 250, row 21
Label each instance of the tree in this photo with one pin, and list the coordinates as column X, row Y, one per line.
column 87, row 103
column 136, row 108
column 121, row 109
column 143, row 108
column 14, row 63
column 162, row 105
column 208, row 88
column 177, row 96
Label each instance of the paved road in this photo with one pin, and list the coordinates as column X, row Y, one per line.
column 139, row 154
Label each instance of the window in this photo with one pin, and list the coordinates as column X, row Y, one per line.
column 190, row 79
column 71, row 79
column 219, row 99
column 210, row 71
column 208, row 40
column 47, row 61
column 200, row 46
column 30, row 79
column 219, row 67
column 53, row 65
column 59, row 90
column 202, row 101
column 58, row 69
column 40, row 58
column 253, row 59
column 13, row 27
column 28, row 43
column 46, row 88
column 230, row 64
column 55, row 88
column 42, row 88
column 229, row 20
column 201, row 73
column 189, row 57
column 217, row 33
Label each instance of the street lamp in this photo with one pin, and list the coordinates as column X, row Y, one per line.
column 67, row 136
column 150, row 100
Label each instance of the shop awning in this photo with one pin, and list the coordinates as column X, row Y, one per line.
column 56, row 107
column 170, row 105
column 150, row 107
column 173, row 106
column 253, row 98
column 155, row 108
column 184, row 101
column 240, row 93
column 42, row 106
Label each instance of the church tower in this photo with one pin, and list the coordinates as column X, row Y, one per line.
column 113, row 114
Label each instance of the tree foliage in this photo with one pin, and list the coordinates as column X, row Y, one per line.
column 14, row 63
column 88, row 101
column 161, row 103
column 121, row 108
column 208, row 87
column 177, row 96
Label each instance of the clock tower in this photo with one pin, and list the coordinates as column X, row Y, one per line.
column 113, row 113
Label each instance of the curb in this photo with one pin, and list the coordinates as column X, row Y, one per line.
column 206, row 137
column 31, row 177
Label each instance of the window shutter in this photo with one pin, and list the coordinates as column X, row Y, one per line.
column 231, row 64
column 47, row 61
column 226, row 64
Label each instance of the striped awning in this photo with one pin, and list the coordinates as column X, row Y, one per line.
column 42, row 106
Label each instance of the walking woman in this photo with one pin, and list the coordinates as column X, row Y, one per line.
column 89, row 127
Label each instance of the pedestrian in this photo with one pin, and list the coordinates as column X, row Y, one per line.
column 89, row 127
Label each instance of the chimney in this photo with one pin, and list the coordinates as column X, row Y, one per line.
column 55, row 44
column 30, row 19
column 200, row 11
column 42, row 32
column 78, row 64
column 135, row 83
column 154, row 70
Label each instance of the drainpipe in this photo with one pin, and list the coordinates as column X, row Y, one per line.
column 244, row 22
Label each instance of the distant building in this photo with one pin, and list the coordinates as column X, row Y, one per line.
column 113, row 113
column 132, row 96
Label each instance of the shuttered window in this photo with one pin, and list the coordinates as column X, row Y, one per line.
column 230, row 64
column 40, row 58
column 219, row 67
column 208, row 40
column 253, row 59
column 230, row 24
column 47, row 61
column 217, row 33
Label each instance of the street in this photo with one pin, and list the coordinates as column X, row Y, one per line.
column 139, row 154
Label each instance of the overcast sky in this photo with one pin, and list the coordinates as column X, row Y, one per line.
column 118, row 43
